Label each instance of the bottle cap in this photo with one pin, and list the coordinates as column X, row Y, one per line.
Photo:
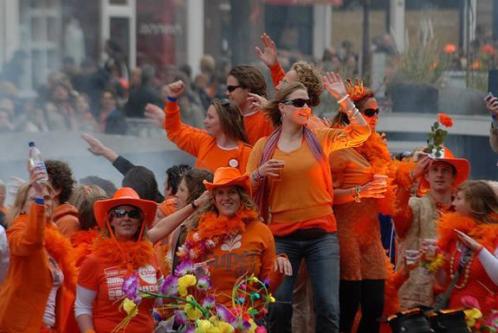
column 31, row 144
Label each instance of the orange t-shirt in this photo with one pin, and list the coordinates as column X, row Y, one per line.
column 203, row 146
column 108, row 283
column 300, row 195
column 257, row 125
column 252, row 252
column 168, row 206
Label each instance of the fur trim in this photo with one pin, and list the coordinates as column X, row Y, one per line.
column 60, row 249
column 129, row 255
column 485, row 233
column 82, row 243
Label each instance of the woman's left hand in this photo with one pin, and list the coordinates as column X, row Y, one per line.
column 470, row 242
column 203, row 199
column 283, row 265
column 334, row 85
column 256, row 102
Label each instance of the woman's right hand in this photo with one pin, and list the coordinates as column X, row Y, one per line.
column 269, row 53
column 373, row 189
column 203, row 199
column 156, row 114
column 256, row 102
column 270, row 168
column 39, row 185
column 176, row 88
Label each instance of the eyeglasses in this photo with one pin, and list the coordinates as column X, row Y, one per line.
column 298, row 102
column 121, row 212
column 232, row 88
column 370, row 112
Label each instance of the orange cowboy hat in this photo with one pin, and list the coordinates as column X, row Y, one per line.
column 228, row 176
column 124, row 196
column 461, row 165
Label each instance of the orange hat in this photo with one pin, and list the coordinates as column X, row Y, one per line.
column 124, row 196
column 461, row 165
column 228, row 176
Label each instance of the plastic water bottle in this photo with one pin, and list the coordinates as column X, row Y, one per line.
column 35, row 160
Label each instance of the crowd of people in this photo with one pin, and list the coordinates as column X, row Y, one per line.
column 276, row 196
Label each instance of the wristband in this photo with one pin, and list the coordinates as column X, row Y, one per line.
column 343, row 98
column 39, row 201
column 194, row 206
column 356, row 193
column 171, row 99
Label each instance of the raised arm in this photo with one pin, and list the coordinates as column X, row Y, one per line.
column 358, row 130
column 166, row 225
column 268, row 55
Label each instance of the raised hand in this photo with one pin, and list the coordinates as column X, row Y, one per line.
column 176, row 88
column 269, row 53
column 492, row 104
column 470, row 242
column 334, row 85
column 156, row 114
column 96, row 147
column 256, row 101
column 422, row 164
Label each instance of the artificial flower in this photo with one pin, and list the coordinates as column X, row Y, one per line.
column 130, row 288
column 450, row 48
column 130, row 307
column 224, row 327
column 445, row 120
column 203, row 326
column 169, row 286
column 203, row 283
column 472, row 316
column 184, row 283
column 470, row 302
column 209, row 302
column 192, row 312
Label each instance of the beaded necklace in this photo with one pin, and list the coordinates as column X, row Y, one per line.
column 467, row 263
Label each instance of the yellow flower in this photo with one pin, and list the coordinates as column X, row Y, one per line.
column 253, row 327
column 192, row 312
column 471, row 316
column 271, row 299
column 224, row 327
column 203, row 326
column 185, row 282
column 130, row 307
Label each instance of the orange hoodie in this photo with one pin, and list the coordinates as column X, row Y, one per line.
column 24, row 294
column 65, row 216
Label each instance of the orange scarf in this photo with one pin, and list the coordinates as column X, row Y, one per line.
column 59, row 248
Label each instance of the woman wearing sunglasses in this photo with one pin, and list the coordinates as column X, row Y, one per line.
column 363, row 178
column 291, row 173
column 122, row 253
column 223, row 143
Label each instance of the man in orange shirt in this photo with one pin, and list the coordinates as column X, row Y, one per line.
column 65, row 215
column 241, row 82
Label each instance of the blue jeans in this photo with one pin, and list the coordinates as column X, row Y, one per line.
column 322, row 261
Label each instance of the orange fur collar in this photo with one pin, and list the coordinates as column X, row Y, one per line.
column 60, row 249
column 130, row 255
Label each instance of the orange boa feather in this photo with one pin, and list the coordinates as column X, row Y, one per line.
column 130, row 255
column 60, row 249
column 82, row 243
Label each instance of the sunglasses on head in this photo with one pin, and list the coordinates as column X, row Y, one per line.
column 370, row 112
column 232, row 88
column 121, row 212
column 298, row 102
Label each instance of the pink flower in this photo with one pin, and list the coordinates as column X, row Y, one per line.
column 470, row 302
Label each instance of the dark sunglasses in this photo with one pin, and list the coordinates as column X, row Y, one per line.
column 121, row 212
column 298, row 102
column 232, row 88
column 370, row 112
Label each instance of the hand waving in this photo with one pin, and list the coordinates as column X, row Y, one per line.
column 334, row 85
column 269, row 53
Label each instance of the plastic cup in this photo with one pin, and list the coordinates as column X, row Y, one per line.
column 430, row 246
column 411, row 256
column 279, row 172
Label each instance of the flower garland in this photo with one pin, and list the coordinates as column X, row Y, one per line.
column 211, row 231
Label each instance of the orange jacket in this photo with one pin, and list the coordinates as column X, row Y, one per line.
column 203, row 146
column 66, row 218
column 24, row 294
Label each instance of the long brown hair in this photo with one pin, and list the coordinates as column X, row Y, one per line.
column 482, row 200
column 194, row 180
column 272, row 109
column 231, row 119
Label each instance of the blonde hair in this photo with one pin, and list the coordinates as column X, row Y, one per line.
column 272, row 109
column 20, row 201
column 83, row 198
column 309, row 76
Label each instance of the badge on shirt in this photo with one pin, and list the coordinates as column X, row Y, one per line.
column 233, row 163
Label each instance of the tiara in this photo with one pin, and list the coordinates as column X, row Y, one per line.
column 356, row 90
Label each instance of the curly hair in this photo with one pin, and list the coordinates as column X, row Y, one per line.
column 309, row 76
column 272, row 109
column 231, row 119
column 251, row 78
column 61, row 178
column 175, row 174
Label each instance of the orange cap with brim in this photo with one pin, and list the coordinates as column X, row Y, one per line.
column 228, row 176
column 461, row 165
column 124, row 196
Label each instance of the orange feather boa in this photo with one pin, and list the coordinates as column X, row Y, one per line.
column 60, row 249
column 485, row 233
column 130, row 255
column 82, row 243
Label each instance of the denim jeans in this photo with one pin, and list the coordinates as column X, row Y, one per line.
column 322, row 261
